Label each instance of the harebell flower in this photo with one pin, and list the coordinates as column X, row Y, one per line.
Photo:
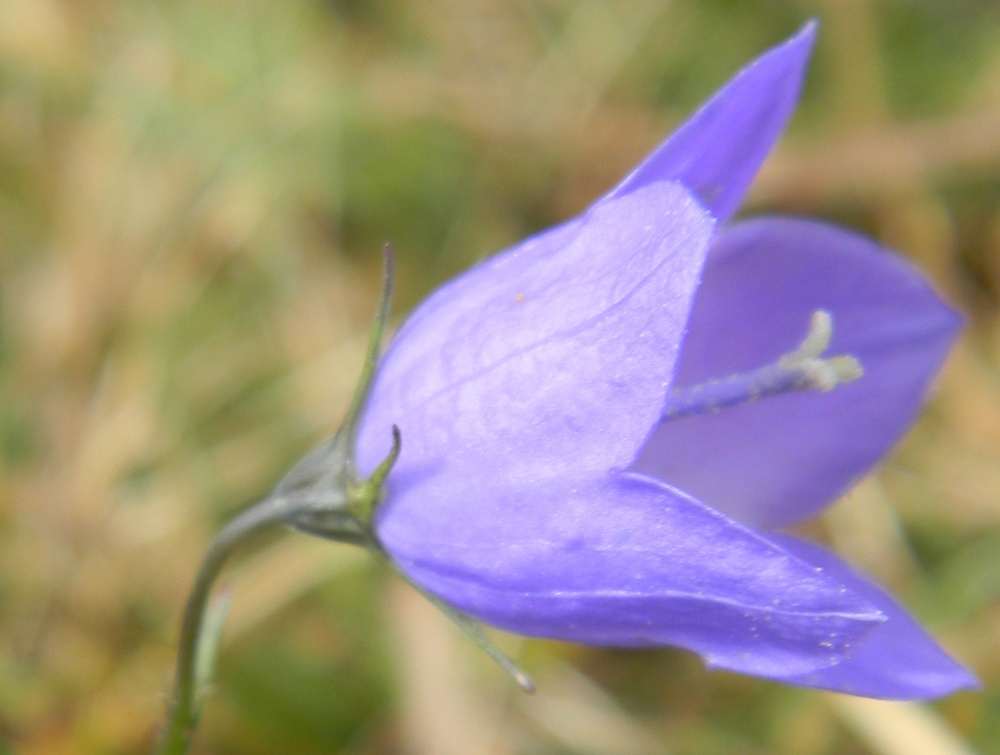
column 600, row 434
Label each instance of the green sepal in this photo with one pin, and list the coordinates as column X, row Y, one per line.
column 474, row 631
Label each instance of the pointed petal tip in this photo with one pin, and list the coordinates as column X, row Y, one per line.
column 899, row 660
column 954, row 320
column 807, row 34
column 948, row 678
column 718, row 150
column 791, row 56
column 960, row 679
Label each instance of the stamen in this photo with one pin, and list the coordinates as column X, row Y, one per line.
column 803, row 369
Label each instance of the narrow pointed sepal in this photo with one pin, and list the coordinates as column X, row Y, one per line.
column 471, row 629
column 323, row 494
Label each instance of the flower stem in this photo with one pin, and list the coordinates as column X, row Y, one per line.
column 184, row 707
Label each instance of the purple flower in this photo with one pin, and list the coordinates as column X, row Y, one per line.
column 550, row 485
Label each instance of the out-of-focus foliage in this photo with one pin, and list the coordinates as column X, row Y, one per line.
column 192, row 199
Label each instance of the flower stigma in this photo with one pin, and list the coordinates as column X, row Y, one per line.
column 803, row 369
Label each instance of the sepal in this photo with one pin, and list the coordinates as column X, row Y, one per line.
column 323, row 494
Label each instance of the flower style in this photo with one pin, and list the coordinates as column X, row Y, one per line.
column 563, row 473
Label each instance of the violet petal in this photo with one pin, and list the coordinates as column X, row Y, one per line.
column 717, row 151
column 780, row 460
column 620, row 560
column 897, row 661
column 551, row 357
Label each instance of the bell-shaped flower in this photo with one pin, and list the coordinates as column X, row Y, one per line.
column 604, row 428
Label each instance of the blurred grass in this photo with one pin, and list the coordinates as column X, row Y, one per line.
column 192, row 199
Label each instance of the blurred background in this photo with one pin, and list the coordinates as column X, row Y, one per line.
column 193, row 196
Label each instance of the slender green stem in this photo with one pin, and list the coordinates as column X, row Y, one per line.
column 315, row 475
column 184, row 706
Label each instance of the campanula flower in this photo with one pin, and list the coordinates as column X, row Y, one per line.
column 605, row 428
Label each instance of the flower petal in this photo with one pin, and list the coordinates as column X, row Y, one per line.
column 621, row 561
column 898, row 661
column 552, row 356
column 781, row 459
column 717, row 152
